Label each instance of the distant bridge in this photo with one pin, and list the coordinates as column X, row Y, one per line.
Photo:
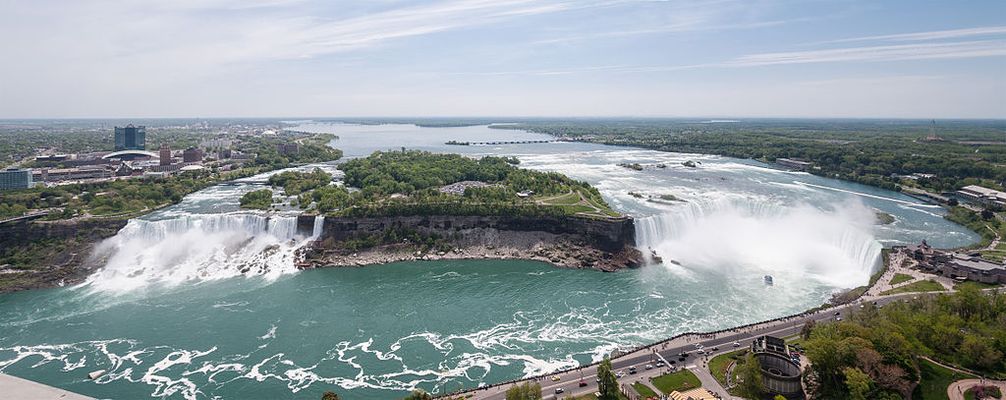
column 242, row 183
column 500, row 143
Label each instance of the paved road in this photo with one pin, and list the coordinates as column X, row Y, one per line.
column 956, row 390
column 569, row 380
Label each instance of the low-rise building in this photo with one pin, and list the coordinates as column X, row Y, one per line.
column 287, row 148
column 694, row 394
column 71, row 174
column 52, row 158
column 781, row 370
column 959, row 266
column 13, row 178
column 793, row 163
column 192, row 155
column 982, row 196
column 459, row 188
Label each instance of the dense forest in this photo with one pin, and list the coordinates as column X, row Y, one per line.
column 874, row 152
column 410, row 183
column 876, row 353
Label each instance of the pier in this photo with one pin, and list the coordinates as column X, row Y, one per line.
column 14, row 388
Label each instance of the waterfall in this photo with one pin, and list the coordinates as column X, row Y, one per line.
column 197, row 247
column 279, row 227
column 757, row 237
column 319, row 224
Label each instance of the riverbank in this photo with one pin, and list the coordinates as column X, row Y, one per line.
column 45, row 254
column 714, row 343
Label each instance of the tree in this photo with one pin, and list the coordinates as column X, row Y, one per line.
column 987, row 214
column 418, row 394
column 607, row 381
column 779, row 397
column 857, row 382
column 524, row 391
column 808, row 327
column 330, row 396
column 751, row 378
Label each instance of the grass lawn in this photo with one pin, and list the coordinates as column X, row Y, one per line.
column 992, row 391
column 920, row 286
column 563, row 200
column 681, row 380
column 898, row 278
column 935, row 380
column 979, row 285
column 644, row 390
column 718, row 365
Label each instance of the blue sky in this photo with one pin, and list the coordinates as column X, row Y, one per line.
column 743, row 58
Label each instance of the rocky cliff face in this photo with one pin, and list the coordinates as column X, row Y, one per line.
column 563, row 241
column 38, row 254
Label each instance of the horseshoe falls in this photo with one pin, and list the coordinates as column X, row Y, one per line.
column 201, row 300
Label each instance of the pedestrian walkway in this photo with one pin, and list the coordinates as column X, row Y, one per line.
column 14, row 388
column 709, row 382
column 956, row 390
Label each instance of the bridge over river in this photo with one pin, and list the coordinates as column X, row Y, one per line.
column 454, row 143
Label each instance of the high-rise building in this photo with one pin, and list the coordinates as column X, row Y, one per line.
column 130, row 138
column 13, row 178
column 165, row 154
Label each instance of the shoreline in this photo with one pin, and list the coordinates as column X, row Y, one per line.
column 782, row 326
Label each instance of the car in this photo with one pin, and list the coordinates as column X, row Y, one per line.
column 672, row 362
column 659, row 364
column 649, row 366
column 838, row 318
column 632, row 370
column 555, row 378
column 716, row 348
column 583, row 383
column 559, row 391
column 838, row 313
column 683, row 354
column 737, row 344
column 619, row 374
column 682, row 359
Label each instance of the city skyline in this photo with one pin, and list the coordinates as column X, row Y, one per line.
column 224, row 58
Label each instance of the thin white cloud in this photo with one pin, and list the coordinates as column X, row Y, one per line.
column 931, row 35
column 918, row 51
column 342, row 35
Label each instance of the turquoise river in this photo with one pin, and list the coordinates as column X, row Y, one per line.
column 201, row 300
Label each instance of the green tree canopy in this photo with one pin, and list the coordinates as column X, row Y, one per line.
column 524, row 391
column 607, row 381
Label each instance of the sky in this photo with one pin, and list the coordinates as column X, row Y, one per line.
column 315, row 58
